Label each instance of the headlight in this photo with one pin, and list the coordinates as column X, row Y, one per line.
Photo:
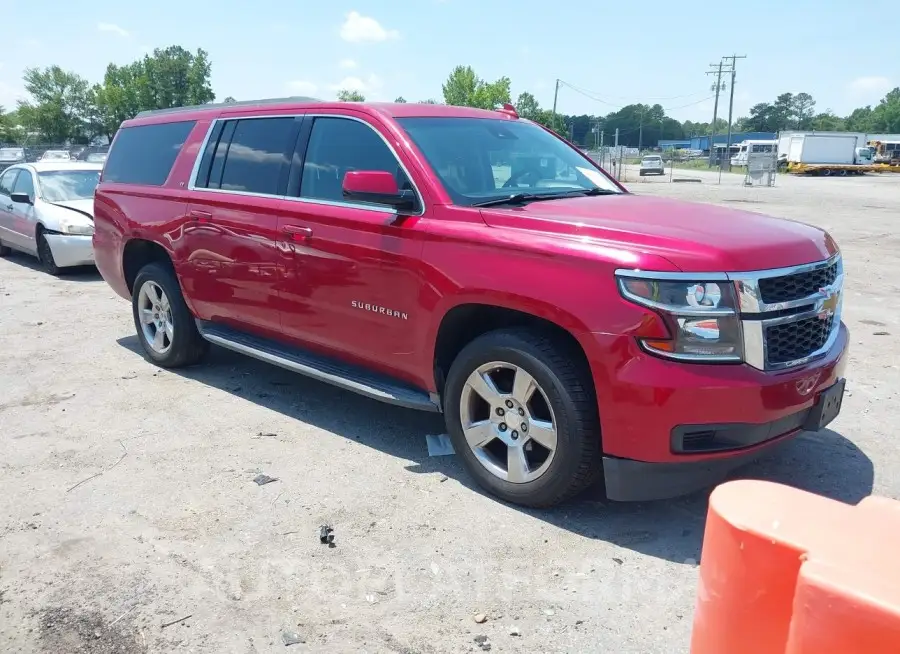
column 69, row 226
column 701, row 317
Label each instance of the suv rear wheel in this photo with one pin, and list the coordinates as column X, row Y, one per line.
column 521, row 413
column 165, row 326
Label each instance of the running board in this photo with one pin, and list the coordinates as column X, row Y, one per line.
column 342, row 375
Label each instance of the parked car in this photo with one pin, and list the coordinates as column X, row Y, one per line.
column 56, row 155
column 652, row 165
column 567, row 329
column 95, row 157
column 46, row 209
column 11, row 156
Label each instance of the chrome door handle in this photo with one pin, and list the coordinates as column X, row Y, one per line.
column 297, row 232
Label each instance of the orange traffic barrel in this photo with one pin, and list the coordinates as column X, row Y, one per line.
column 784, row 571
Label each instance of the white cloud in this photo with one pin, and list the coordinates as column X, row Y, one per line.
column 871, row 84
column 113, row 28
column 302, row 87
column 869, row 89
column 364, row 29
column 10, row 95
column 348, row 64
column 370, row 86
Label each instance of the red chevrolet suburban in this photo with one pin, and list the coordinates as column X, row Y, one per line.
column 473, row 263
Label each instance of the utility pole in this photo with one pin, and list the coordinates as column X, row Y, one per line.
column 617, row 138
column 712, row 127
column 734, row 59
column 555, row 96
column 601, row 140
column 641, row 132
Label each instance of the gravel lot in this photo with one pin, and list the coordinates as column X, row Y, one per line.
column 128, row 498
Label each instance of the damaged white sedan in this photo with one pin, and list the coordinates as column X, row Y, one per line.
column 47, row 210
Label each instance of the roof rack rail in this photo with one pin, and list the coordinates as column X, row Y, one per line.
column 225, row 105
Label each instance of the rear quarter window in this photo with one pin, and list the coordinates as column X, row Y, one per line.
column 144, row 154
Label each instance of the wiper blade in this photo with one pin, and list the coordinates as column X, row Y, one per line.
column 519, row 198
column 596, row 191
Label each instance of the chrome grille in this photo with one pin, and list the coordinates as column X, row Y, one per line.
column 791, row 341
column 800, row 285
column 790, row 316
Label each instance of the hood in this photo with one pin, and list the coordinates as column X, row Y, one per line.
column 695, row 237
column 85, row 207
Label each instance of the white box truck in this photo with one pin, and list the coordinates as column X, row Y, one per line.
column 824, row 153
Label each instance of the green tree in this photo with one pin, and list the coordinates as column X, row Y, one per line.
column 783, row 112
column 229, row 100
column 400, row 100
column 175, row 77
column 58, row 106
column 527, row 106
column 429, row 101
column 346, row 95
column 860, row 120
column 465, row 89
column 827, row 122
column 763, row 118
column 170, row 77
column 804, row 110
column 886, row 115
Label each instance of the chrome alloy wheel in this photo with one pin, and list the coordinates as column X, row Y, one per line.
column 508, row 422
column 156, row 317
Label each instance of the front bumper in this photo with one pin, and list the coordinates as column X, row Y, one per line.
column 71, row 250
column 649, row 406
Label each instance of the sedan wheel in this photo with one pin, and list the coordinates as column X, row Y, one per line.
column 507, row 422
column 45, row 255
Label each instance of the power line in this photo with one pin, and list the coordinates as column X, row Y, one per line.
column 593, row 94
column 617, row 107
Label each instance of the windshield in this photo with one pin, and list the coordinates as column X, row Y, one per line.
column 479, row 159
column 651, row 159
column 55, row 156
column 66, row 185
column 12, row 153
column 95, row 158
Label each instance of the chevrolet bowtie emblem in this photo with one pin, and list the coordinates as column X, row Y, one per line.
column 829, row 304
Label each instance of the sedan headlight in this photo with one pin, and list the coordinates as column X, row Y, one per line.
column 701, row 317
column 76, row 227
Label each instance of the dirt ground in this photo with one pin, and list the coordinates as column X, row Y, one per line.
column 130, row 522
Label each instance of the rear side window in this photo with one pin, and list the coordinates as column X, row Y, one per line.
column 249, row 155
column 145, row 154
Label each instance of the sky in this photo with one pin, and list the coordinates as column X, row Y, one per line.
column 607, row 54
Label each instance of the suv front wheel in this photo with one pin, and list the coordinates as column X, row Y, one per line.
column 165, row 326
column 521, row 413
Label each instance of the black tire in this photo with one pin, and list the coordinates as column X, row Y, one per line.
column 187, row 346
column 5, row 251
column 565, row 380
column 45, row 255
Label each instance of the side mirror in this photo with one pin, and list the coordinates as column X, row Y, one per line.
column 22, row 198
column 378, row 187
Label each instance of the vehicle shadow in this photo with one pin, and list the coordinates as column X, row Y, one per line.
column 75, row 273
column 825, row 463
